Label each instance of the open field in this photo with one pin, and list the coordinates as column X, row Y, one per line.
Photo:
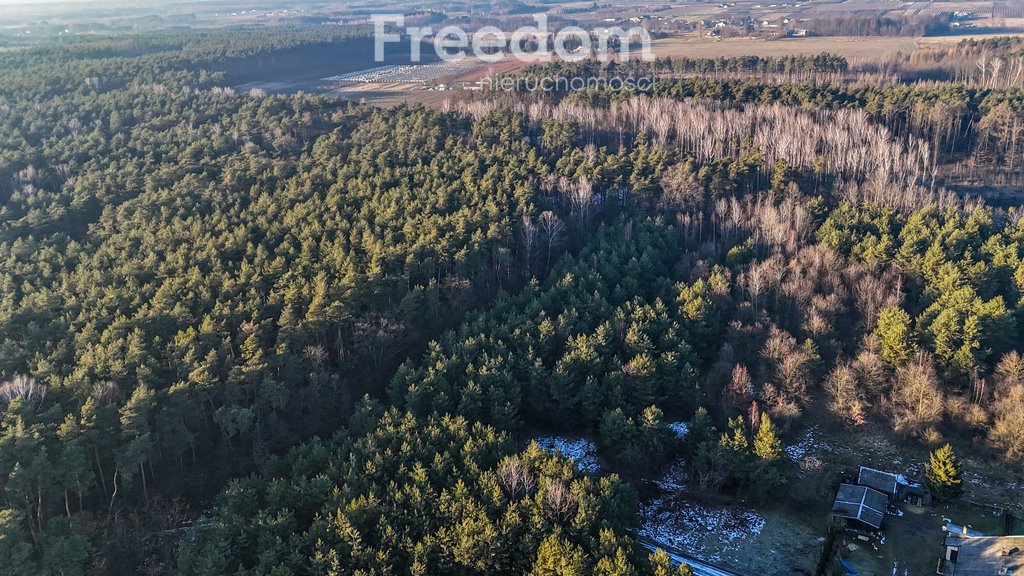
column 394, row 85
column 387, row 96
column 929, row 41
column 850, row 47
column 409, row 73
column 767, row 9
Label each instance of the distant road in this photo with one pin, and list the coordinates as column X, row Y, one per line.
column 699, row 568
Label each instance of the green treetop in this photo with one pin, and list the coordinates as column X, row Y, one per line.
column 895, row 335
column 767, row 445
column 943, row 474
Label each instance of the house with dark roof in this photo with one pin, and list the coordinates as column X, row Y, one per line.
column 895, row 486
column 970, row 555
column 884, row 482
column 859, row 505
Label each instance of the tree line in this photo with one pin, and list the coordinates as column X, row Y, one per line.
column 880, row 25
column 969, row 132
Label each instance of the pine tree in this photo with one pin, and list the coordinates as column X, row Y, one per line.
column 699, row 430
column 137, row 438
column 556, row 557
column 943, row 474
column 737, row 440
column 895, row 336
column 781, row 175
column 661, row 565
column 15, row 548
column 767, row 445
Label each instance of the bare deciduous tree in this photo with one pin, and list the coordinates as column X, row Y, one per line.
column 1007, row 433
column 872, row 373
column 25, row 389
column 846, row 397
column 681, row 189
column 787, row 367
column 916, row 402
column 377, row 336
column 106, row 392
column 579, row 195
column 559, row 502
column 515, row 478
column 552, row 229
column 528, row 236
column 1009, row 373
column 741, row 388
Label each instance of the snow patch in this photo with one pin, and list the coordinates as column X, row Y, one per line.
column 809, row 445
column 582, row 450
column 680, row 428
column 674, row 479
column 671, row 519
column 685, row 525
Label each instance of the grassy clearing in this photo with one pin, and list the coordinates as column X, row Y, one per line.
column 778, row 538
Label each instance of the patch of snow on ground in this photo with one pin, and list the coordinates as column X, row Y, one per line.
column 680, row 428
column 583, row 451
column 685, row 526
column 675, row 478
column 807, row 446
column 677, row 522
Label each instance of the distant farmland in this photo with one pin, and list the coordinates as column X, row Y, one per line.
column 304, row 67
column 1007, row 9
column 850, row 47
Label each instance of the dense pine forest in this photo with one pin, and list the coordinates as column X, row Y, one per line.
column 251, row 334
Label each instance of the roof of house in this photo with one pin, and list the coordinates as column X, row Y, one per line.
column 988, row 555
column 959, row 531
column 860, row 503
column 884, row 482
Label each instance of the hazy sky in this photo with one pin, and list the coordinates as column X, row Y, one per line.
column 66, row 2
column 30, row 2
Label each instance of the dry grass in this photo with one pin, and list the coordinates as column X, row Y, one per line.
column 946, row 40
column 854, row 48
column 388, row 95
column 850, row 47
